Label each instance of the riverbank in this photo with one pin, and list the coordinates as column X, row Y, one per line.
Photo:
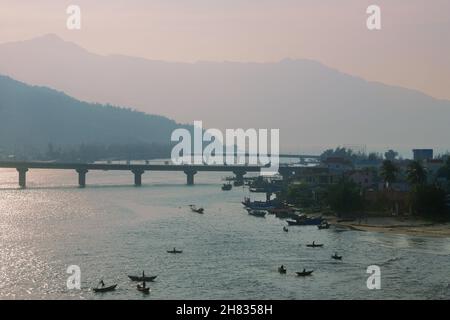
column 395, row 225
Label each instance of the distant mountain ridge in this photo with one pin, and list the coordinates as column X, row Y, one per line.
column 311, row 104
column 33, row 117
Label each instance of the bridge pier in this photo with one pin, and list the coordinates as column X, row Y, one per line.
column 138, row 177
column 190, row 176
column 239, row 176
column 22, row 177
column 82, row 177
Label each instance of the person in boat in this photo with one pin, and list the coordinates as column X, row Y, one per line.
column 174, row 249
column 313, row 243
column 304, row 270
column 101, row 283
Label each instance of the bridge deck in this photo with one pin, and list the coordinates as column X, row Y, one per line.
column 127, row 167
column 137, row 169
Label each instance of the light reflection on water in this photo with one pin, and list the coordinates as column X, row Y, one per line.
column 111, row 229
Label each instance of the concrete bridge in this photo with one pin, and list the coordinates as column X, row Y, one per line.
column 82, row 169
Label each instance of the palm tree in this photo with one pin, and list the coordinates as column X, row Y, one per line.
column 416, row 173
column 444, row 171
column 389, row 172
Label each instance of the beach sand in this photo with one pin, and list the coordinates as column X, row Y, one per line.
column 395, row 225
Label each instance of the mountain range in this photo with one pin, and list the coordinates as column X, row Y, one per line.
column 313, row 105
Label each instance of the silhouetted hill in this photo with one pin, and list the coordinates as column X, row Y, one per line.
column 34, row 117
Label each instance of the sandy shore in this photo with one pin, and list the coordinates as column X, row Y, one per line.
column 395, row 225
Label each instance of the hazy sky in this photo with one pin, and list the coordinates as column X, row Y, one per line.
column 411, row 50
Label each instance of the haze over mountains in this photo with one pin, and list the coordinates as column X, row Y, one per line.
column 313, row 106
column 33, row 117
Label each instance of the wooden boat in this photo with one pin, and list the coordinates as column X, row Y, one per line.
column 282, row 270
column 237, row 183
column 143, row 289
column 336, row 257
column 257, row 213
column 304, row 273
column 265, row 189
column 142, row 278
column 174, row 251
column 227, row 186
column 257, row 189
column 195, row 209
column 304, row 221
column 284, row 213
column 314, row 245
column 258, row 205
column 105, row 289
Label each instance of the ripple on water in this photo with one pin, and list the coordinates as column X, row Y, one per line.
column 117, row 230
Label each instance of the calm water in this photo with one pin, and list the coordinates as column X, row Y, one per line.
column 111, row 229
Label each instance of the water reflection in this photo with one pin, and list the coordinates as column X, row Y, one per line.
column 117, row 230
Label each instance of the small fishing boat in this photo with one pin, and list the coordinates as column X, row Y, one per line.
column 227, row 186
column 284, row 213
column 238, row 183
column 195, row 209
column 258, row 205
column 315, row 245
column 174, row 251
column 305, row 221
column 142, row 278
column 336, row 257
column 143, row 288
column 105, row 289
column 257, row 213
column 304, row 273
column 282, row 270
column 257, row 189
column 285, row 229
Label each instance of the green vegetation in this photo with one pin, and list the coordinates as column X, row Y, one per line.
column 429, row 201
column 414, row 195
column 444, row 172
column 301, row 195
column 416, row 173
column 389, row 172
column 349, row 154
column 390, row 155
column 345, row 197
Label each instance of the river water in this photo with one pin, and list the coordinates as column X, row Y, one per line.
column 111, row 229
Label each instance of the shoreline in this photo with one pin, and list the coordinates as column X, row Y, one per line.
column 395, row 225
